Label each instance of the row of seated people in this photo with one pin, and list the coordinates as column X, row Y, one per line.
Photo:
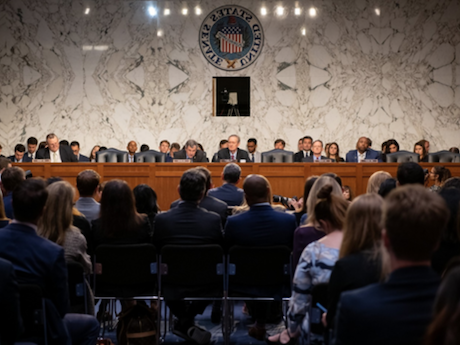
column 308, row 151
column 415, row 222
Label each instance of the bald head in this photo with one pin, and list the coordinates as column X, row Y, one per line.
column 256, row 189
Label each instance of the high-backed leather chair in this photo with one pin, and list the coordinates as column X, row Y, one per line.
column 112, row 156
column 277, row 156
column 150, row 156
column 443, row 157
column 402, row 156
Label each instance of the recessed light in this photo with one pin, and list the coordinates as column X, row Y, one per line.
column 184, row 11
column 304, row 32
column 152, row 11
column 377, row 11
column 197, row 11
column 312, row 12
column 87, row 10
column 160, row 33
column 167, row 11
column 297, row 11
column 263, row 11
column 279, row 10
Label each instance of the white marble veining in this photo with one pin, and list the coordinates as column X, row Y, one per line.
column 118, row 74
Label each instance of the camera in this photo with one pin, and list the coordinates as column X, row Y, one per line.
column 284, row 201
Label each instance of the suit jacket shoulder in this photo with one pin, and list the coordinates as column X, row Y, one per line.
column 67, row 154
column 83, row 158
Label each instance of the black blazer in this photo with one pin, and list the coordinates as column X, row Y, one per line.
column 64, row 151
column 199, row 156
column 210, row 203
column 298, row 156
column 25, row 158
column 83, row 158
column 240, row 154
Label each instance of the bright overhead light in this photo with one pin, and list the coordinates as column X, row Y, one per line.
column 167, row 11
column 304, row 32
column 279, row 10
column 197, row 11
column 312, row 12
column 184, row 11
column 263, row 11
column 87, row 10
column 152, row 11
column 160, row 33
column 377, row 11
column 297, row 11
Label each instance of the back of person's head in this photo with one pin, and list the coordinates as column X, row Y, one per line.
column 376, row 179
column 4, row 163
column 256, row 189
column 309, row 182
column 335, row 177
column 118, row 211
column 330, row 207
column 29, row 199
column 53, row 179
column 207, row 174
column 410, row 173
column 175, row 146
column 313, row 196
column 146, row 199
column 414, row 219
column 144, row 147
column 232, row 173
column 87, row 182
column 362, row 230
column 386, row 187
column 12, row 178
column 452, row 198
column 444, row 328
column 453, row 182
column 57, row 215
column 192, row 185
column 443, row 173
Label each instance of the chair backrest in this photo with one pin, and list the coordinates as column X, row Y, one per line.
column 112, row 156
column 77, row 286
column 150, row 156
column 402, row 156
column 125, row 270
column 443, row 157
column 277, row 156
column 192, row 270
column 263, row 269
column 33, row 313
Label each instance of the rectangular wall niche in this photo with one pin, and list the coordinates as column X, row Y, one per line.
column 231, row 96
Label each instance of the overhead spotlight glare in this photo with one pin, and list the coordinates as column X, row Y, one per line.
column 152, row 11
column 197, row 11
column 312, row 12
column 297, row 11
column 304, row 32
column 377, row 11
column 160, row 33
column 184, row 11
column 279, row 10
column 167, row 11
column 263, row 11
column 87, row 10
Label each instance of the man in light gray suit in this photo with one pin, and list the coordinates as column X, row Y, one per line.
column 254, row 155
column 88, row 187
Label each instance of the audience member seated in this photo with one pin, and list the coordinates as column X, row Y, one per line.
column 19, row 155
column 362, row 152
column 31, row 148
column 10, row 317
column 387, row 186
column 208, row 202
column 88, row 187
column 317, row 149
column 42, row 262
column 348, row 193
column 232, row 151
column 360, row 262
column 449, row 246
column 376, row 179
column 444, row 325
column 261, row 226
column 4, row 221
column 306, row 149
column 229, row 192
column 146, row 203
column 315, row 264
column 453, row 182
column 438, row 174
column 410, row 173
column 75, row 146
column 188, row 224
column 398, row 311
column 333, row 152
column 190, row 151
column 56, row 152
column 92, row 156
column 132, row 148
column 311, row 230
column 419, row 148
column 56, row 225
column 301, row 205
column 11, row 179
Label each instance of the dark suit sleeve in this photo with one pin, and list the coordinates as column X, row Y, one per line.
column 41, row 154
column 83, row 159
column 349, row 157
column 200, row 157
column 298, row 156
column 10, row 317
column 345, row 330
column 223, row 154
column 59, row 292
column 68, row 156
column 243, row 155
column 179, row 154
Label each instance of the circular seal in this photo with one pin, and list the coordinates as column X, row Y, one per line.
column 231, row 38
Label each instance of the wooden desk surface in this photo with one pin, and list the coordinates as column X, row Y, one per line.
column 286, row 179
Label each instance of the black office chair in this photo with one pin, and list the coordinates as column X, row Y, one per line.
column 443, row 157
column 150, row 156
column 402, row 156
column 76, row 281
column 277, row 156
column 112, row 156
column 33, row 313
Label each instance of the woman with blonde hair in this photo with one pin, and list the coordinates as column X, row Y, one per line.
column 376, row 179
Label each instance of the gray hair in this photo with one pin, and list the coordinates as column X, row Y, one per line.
column 191, row 143
column 232, row 173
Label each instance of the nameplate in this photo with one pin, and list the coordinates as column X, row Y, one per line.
column 182, row 160
column 41, row 160
column 227, row 160
column 369, row 161
column 324, row 161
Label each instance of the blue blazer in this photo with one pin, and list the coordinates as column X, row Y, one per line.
column 228, row 193
column 83, row 158
column 352, row 156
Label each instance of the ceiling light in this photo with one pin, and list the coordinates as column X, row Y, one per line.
column 160, row 33
column 304, row 32
column 152, row 11
column 167, row 11
column 279, row 10
column 312, row 12
column 263, row 11
column 87, row 10
column 377, row 11
column 184, row 11
column 297, row 11
column 197, row 11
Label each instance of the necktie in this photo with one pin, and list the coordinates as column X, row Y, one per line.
column 252, row 157
column 54, row 157
column 233, row 156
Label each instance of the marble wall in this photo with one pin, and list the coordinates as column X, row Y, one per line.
column 384, row 69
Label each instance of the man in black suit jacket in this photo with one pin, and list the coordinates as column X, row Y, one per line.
column 191, row 151
column 19, row 155
column 75, row 146
column 188, row 224
column 306, row 151
column 10, row 317
column 398, row 311
column 55, row 152
column 232, row 151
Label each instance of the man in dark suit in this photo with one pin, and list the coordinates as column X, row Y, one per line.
column 191, row 151
column 261, row 226
column 19, row 155
column 55, row 152
column 399, row 310
column 10, row 317
column 316, row 156
column 306, row 149
column 75, row 146
column 41, row 262
column 209, row 202
column 362, row 152
column 232, row 151
column 11, row 179
column 229, row 192
column 188, row 224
